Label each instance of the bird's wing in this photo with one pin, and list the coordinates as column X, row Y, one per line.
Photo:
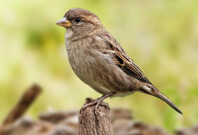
column 124, row 61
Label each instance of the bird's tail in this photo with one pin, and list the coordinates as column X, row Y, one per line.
column 151, row 90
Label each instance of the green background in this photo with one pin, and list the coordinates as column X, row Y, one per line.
column 161, row 36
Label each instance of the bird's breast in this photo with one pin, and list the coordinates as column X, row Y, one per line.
column 89, row 65
column 95, row 68
column 82, row 60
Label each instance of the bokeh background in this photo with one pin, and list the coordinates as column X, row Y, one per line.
column 160, row 36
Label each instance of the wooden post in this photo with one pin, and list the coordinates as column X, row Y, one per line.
column 91, row 123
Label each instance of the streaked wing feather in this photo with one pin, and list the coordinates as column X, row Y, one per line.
column 132, row 69
column 125, row 62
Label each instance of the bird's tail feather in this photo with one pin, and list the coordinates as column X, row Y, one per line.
column 151, row 90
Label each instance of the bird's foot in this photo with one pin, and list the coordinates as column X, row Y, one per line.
column 99, row 101
column 91, row 102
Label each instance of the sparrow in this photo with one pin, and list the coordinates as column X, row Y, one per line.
column 99, row 60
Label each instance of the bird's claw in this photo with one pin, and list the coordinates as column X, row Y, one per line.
column 90, row 102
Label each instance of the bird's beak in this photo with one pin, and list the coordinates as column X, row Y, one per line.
column 65, row 23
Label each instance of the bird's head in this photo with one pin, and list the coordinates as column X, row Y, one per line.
column 80, row 21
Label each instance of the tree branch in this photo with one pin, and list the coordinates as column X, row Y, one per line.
column 21, row 107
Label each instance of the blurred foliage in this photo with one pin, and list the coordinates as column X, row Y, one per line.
column 161, row 36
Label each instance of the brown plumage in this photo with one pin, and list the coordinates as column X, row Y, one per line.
column 99, row 60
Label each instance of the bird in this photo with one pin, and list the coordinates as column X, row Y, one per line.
column 99, row 60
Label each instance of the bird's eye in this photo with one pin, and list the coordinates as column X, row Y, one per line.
column 78, row 19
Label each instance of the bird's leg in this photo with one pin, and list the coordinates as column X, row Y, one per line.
column 98, row 101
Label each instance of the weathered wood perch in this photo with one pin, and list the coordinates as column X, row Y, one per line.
column 91, row 123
